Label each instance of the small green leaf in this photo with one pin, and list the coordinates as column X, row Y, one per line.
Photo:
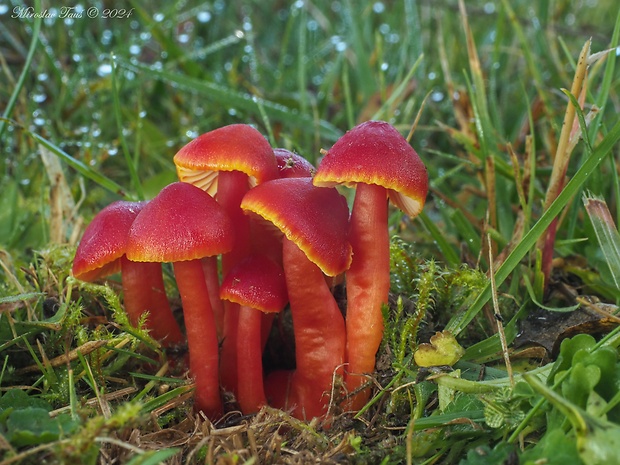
column 16, row 399
column 555, row 448
column 154, row 457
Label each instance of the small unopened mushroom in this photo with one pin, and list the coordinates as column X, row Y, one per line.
column 257, row 284
column 101, row 252
column 292, row 165
column 183, row 224
column 314, row 223
column 377, row 159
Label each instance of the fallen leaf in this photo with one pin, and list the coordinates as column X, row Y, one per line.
column 443, row 349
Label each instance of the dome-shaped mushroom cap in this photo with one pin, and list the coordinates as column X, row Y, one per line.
column 375, row 152
column 257, row 282
column 314, row 218
column 104, row 241
column 236, row 147
column 292, row 165
column 181, row 223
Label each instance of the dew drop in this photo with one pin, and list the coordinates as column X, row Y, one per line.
column 104, row 69
column 203, row 17
column 39, row 98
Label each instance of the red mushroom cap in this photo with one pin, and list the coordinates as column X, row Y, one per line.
column 292, row 165
column 181, row 223
column 105, row 241
column 237, row 147
column 314, row 218
column 257, row 282
column 375, row 152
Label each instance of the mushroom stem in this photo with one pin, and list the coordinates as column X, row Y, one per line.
column 232, row 186
column 201, row 336
column 209, row 267
column 143, row 290
column 368, row 285
column 319, row 333
column 251, row 394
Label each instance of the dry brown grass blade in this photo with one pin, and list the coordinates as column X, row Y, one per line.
column 561, row 159
column 62, row 206
column 63, row 359
column 490, row 183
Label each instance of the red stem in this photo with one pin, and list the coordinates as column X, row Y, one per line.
column 201, row 336
column 319, row 333
column 251, row 394
column 232, row 186
column 209, row 267
column 368, row 285
column 143, row 290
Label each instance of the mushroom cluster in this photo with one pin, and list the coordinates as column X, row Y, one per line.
column 251, row 230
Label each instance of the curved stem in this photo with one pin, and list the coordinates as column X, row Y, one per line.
column 143, row 290
column 201, row 336
column 368, row 285
column 251, row 395
column 319, row 333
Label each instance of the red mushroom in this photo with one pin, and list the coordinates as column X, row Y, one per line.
column 257, row 284
column 290, row 165
column 314, row 222
column 101, row 252
column 183, row 224
column 375, row 157
column 226, row 162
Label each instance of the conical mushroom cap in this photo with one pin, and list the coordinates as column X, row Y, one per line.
column 236, row 147
column 375, row 152
column 105, row 241
column 314, row 218
column 257, row 282
column 181, row 223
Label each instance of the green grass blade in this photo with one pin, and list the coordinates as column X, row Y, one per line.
column 450, row 254
column 25, row 71
column 382, row 113
column 153, row 457
column 81, row 167
column 241, row 100
column 355, row 39
column 606, row 233
column 131, row 167
column 608, row 77
column 456, row 325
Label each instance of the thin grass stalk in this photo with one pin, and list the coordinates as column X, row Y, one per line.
column 36, row 29
column 129, row 160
